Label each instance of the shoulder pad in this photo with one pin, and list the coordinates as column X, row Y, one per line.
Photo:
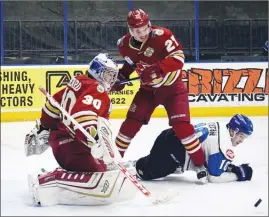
column 157, row 32
column 161, row 33
column 120, row 42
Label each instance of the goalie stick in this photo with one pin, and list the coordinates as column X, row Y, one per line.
column 154, row 200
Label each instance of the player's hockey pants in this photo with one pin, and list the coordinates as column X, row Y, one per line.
column 166, row 155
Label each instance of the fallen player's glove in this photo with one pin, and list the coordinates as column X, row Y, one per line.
column 243, row 172
column 36, row 142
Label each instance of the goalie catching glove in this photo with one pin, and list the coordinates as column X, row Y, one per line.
column 36, row 142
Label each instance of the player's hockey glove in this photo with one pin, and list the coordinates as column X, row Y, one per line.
column 36, row 142
column 243, row 172
column 151, row 73
column 117, row 86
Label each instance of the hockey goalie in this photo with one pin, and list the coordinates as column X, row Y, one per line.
column 86, row 174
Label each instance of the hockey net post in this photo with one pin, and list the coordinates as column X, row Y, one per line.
column 154, row 200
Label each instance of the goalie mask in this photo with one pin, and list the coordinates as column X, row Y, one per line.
column 139, row 24
column 240, row 127
column 104, row 69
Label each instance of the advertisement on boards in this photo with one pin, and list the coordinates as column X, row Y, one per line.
column 226, row 84
column 209, row 85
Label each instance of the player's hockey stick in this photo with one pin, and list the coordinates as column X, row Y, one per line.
column 109, row 149
column 125, row 81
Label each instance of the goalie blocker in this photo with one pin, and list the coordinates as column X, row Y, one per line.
column 62, row 187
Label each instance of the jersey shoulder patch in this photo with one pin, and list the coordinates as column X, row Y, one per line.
column 229, row 154
column 100, row 88
column 123, row 40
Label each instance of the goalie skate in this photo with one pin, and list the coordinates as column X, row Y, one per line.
column 33, row 190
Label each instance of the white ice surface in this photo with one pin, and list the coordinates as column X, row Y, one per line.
column 236, row 198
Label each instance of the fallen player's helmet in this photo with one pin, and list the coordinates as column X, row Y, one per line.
column 104, row 69
column 241, row 123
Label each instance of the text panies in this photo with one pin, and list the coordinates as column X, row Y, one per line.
column 122, row 92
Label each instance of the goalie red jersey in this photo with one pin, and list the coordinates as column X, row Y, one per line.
column 161, row 47
column 85, row 99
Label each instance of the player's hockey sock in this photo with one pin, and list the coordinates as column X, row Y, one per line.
column 122, row 143
column 185, row 132
column 128, row 130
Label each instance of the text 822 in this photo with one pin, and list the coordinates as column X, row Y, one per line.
column 118, row 101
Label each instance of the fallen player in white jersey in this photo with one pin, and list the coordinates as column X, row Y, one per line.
column 168, row 155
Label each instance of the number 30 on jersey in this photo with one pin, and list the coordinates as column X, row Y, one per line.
column 89, row 100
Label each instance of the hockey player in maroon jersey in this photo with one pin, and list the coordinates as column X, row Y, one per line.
column 157, row 57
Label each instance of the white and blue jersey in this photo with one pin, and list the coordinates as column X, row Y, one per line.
column 218, row 150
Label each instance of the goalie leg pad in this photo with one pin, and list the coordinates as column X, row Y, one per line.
column 83, row 188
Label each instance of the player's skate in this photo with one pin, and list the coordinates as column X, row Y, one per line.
column 202, row 174
column 36, row 142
